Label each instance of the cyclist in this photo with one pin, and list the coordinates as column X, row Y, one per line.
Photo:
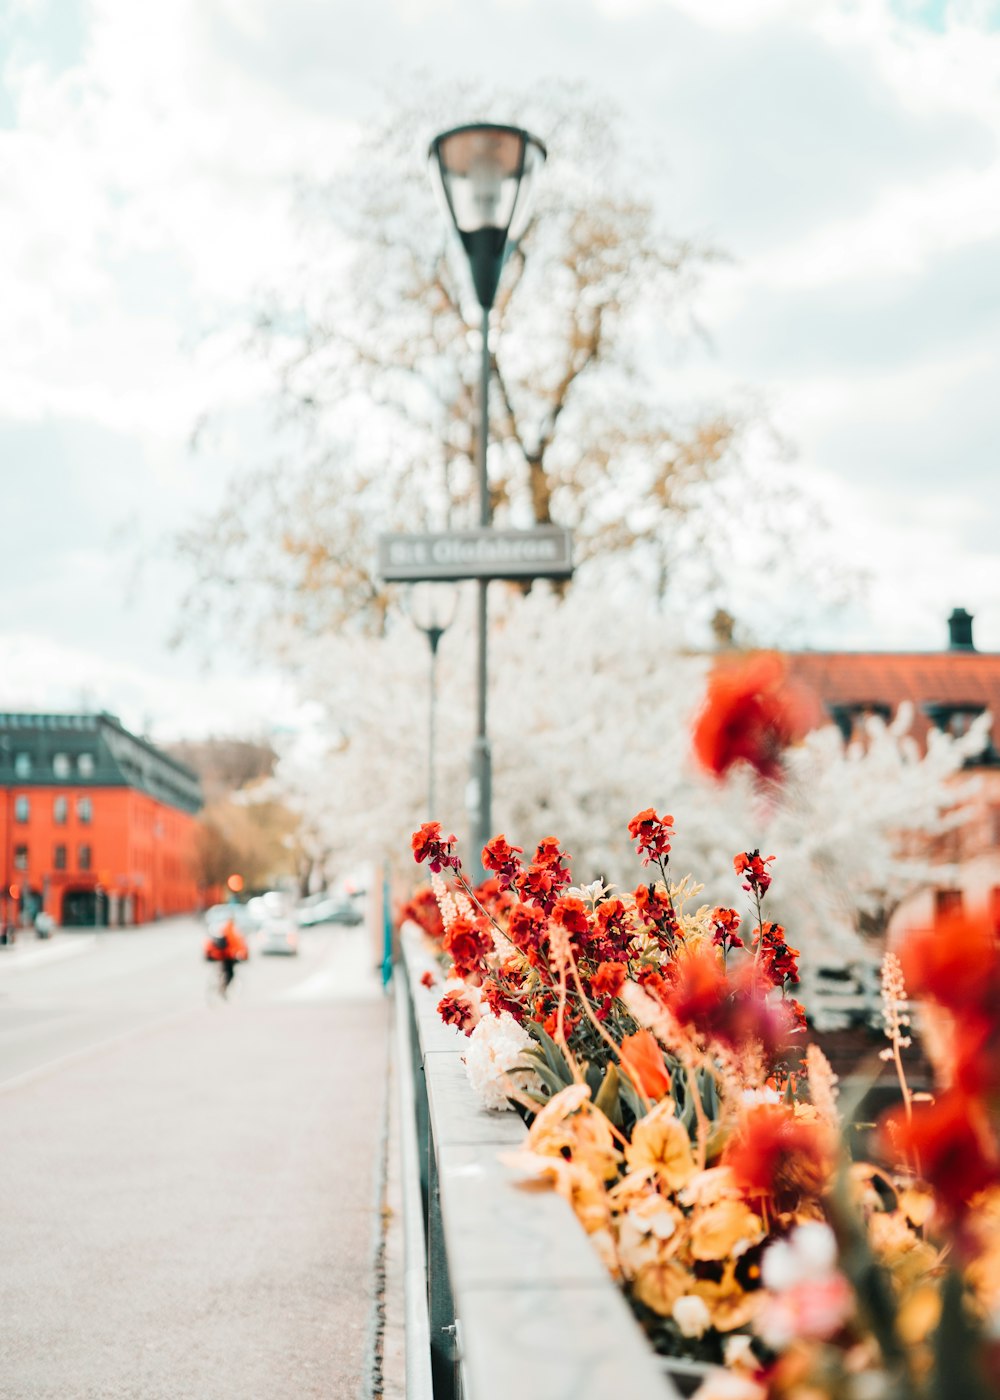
column 227, row 947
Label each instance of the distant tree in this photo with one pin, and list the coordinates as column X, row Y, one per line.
column 225, row 764
column 374, row 358
column 250, row 835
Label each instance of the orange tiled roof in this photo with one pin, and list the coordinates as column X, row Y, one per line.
column 948, row 678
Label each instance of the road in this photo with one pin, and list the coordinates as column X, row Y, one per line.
column 189, row 1190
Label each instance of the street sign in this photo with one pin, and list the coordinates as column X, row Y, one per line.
column 544, row 552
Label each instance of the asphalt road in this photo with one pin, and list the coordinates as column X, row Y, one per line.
column 188, row 1201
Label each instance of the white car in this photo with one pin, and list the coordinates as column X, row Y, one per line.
column 278, row 936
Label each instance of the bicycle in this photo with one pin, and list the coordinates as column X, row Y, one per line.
column 218, row 989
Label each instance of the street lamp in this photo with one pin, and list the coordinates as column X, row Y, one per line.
column 486, row 176
column 431, row 607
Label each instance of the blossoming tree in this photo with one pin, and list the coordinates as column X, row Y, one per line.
column 566, row 753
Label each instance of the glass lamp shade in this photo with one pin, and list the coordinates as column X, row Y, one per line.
column 432, row 606
column 486, row 176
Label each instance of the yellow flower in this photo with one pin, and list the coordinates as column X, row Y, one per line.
column 660, row 1141
column 571, row 1128
column 717, row 1231
column 660, row 1284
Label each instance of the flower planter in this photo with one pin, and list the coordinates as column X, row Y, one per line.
column 518, row 1300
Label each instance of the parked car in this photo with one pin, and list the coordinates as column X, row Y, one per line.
column 279, row 937
column 331, row 910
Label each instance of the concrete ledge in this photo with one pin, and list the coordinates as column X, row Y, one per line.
column 520, row 1303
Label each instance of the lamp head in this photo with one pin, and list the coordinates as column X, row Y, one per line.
column 485, row 174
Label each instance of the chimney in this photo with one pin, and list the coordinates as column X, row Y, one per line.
column 960, row 631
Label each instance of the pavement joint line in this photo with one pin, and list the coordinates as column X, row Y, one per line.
column 56, row 953
column 73, row 1057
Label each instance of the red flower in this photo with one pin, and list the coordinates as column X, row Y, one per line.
column 428, row 845
column 501, row 856
column 456, row 1009
column 609, row 979
column 751, row 713
column 752, row 865
column 652, row 835
column 642, row 1061
column 572, row 914
column 655, row 983
column 700, row 992
column 499, row 999
column 950, row 1141
column 423, row 909
column 468, row 942
column 725, row 923
column 773, row 1153
column 777, row 962
column 611, row 931
column 956, row 964
column 545, row 876
column 526, row 927
column 654, row 908
column 427, row 979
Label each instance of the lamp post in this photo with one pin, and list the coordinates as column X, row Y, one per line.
column 431, row 607
column 485, row 175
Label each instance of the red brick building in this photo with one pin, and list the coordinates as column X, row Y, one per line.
column 947, row 690
column 97, row 826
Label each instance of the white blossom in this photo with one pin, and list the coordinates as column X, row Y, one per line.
column 809, row 1252
column 494, row 1049
column 691, row 1315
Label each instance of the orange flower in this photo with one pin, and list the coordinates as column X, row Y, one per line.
column 642, row 1060
column 751, row 713
column 774, row 1153
column 609, row 979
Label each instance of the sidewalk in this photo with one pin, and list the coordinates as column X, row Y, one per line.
column 29, row 950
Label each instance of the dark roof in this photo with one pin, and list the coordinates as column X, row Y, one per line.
column 113, row 756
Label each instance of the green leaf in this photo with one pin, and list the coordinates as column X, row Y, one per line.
column 630, row 1095
column 555, row 1057
column 553, row 1082
column 957, row 1375
column 607, row 1099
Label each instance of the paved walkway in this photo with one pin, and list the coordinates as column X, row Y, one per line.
column 199, row 1206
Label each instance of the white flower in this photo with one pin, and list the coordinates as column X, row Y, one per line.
column 494, row 1047
column 760, row 1096
column 738, row 1351
column 810, row 1252
column 691, row 1315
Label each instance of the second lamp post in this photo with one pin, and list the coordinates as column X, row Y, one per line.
column 486, row 176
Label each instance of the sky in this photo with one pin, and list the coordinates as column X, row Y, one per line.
column 843, row 152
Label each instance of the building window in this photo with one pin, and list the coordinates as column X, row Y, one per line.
column 946, row 903
column 83, row 858
column 20, row 857
column 22, row 765
column 84, row 809
column 957, row 720
column 61, row 765
column 850, row 718
column 22, row 809
column 85, row 765
column 60, row 810
column 59, row 858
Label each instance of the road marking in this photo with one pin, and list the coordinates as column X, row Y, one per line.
column 14, row 962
